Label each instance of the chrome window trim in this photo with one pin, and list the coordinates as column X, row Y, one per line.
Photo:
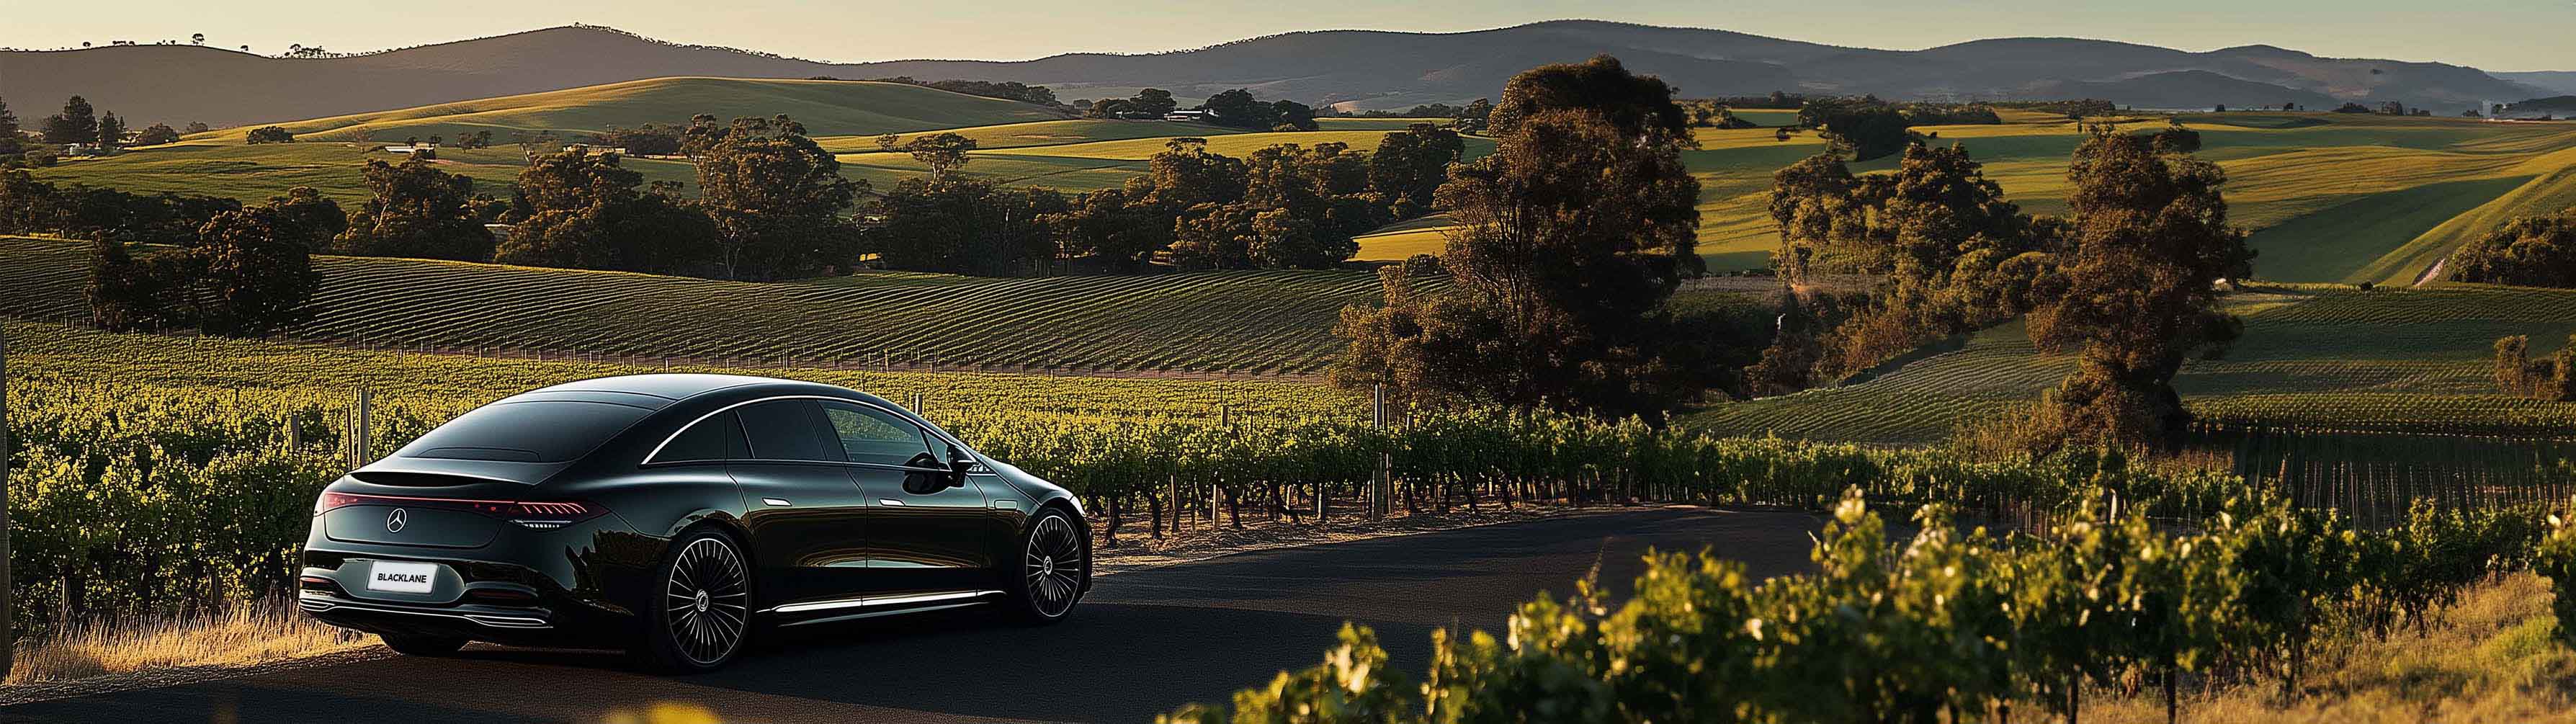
column 931, row 430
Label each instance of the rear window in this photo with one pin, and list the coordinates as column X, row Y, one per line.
column 549, row 431
column 719, row 437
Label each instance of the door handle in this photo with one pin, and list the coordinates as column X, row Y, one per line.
column 890, row 501
column 780, row 502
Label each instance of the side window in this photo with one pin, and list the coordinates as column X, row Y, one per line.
column 870, row 435
column 719, row 437
column 786, row 430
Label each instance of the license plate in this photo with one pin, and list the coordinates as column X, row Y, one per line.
column 401, row 577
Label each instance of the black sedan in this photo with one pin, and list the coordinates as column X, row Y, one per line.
column 677, row 516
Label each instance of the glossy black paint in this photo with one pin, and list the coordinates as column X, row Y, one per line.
column 844, row 530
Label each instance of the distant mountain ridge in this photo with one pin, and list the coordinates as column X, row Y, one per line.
column 1357, row 68
column 2554, row 81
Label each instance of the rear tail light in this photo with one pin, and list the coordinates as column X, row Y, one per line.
column 544, row 515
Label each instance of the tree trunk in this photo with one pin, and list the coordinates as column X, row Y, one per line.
column 1234, row 509
column 1109, row 536
column 1154, row 511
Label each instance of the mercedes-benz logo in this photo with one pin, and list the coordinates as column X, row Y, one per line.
column 394, row 521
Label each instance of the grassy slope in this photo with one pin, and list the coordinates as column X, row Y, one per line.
column 1038, row 133
column 449, row 383
column 2312, row 169
column 1768, row 117
column 1085, row 165
column 253, row 173
column 1256, row 321
column 2412, row 360
column 2334, row 197
column 2544, row 194
column 827, row 108
column 2487, row 657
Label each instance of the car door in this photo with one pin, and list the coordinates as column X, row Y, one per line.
column 927, row 528
column 806, row 513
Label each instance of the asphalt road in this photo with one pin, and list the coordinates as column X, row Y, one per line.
column 1144, row 642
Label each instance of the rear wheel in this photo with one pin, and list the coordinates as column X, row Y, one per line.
column 701, row 613
column 1055, row 562
column 423, row 645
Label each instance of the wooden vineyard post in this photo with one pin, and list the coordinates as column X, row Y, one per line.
column 1382, row 491
column 359, row 451
column 1172, row 490
column 8, row 630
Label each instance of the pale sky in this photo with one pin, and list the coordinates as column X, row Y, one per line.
column 2489, row 34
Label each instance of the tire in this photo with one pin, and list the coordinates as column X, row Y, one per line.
column 424, row 645
column 1053, row 569
column 699, row 617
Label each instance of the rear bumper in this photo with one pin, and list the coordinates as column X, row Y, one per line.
column 569, row 587
column 381, row 617
column 548, row 620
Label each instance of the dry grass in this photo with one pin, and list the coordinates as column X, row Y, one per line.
column 248, row 634
column 2488, row 659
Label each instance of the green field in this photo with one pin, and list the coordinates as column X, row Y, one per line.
column 235, row 370
column 2331, row 197
column 1039, row 133
column 1021, row 144
column 1092, row 154
column 1767, row 117
column 2329, row 357
column 825, row 107
column 1233, row 321
column 254, row 173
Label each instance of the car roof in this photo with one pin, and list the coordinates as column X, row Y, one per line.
column 667, row 387
column 657, row 391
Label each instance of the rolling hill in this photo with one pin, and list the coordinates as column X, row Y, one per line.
column 2332, row 197
column 2184, row 89
column 827, row 108
column 1228, row 321
column 2324, row 358
column 1354, row 68
column 2554, row 81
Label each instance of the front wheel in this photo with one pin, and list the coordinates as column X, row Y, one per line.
column 702, row 608
column 1055, row 562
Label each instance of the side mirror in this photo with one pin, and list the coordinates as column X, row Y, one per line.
column 957, row 471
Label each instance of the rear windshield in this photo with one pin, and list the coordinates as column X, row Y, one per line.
column 548, row 431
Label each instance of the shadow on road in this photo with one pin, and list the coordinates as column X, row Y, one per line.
column 1146, row 642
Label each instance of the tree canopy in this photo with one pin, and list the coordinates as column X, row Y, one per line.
column 584, row 210
column 1570, row 237
column 416, row 211
column 775, row 195
column 78, row 123
column 2136, row 295
column 2533, row 251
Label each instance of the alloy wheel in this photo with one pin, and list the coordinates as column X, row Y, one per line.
column 708, row 601
column 1054, row 566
